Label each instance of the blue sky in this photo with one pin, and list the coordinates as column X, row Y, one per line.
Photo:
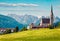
column 33, row 7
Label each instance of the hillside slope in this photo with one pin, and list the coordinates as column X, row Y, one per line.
column 8, row 22
column 33, row 35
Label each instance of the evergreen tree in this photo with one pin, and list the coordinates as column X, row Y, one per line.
column 17, row 29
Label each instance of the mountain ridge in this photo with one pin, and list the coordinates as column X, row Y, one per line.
column 25, row 19
column 9, row 22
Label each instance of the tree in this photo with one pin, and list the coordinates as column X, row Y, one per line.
column 51, row 27
column 8, row 31
column 17, row 29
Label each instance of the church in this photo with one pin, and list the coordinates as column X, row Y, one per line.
column 45, row 21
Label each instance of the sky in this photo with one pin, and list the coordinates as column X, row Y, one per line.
column 30, row 7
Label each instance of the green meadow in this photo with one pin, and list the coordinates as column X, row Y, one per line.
column 33, row 35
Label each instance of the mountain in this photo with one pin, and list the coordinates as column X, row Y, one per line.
column 28, row 19
column 8, row 22
column 56, row 19
column 25, row 19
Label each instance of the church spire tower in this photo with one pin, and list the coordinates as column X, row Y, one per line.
column 51, row 16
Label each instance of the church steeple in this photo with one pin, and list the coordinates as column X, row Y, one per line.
column 51, row 10
column 51, row 16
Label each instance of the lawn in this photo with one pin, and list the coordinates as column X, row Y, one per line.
column 33, row 35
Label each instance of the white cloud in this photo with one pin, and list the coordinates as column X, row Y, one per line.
column 17, row 4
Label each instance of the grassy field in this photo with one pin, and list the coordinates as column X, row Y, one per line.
column 33, row 35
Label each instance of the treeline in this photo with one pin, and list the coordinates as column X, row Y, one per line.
column 10, row 30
